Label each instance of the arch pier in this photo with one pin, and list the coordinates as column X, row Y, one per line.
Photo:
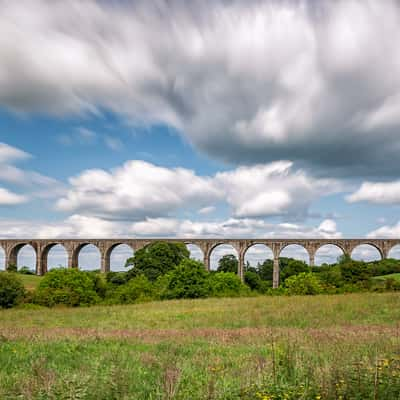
column 42, row 247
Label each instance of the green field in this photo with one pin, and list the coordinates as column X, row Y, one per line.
column 317, row 347
column 389, row 276
column 31, row 282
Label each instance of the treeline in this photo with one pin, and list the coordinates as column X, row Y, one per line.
column 165, row 271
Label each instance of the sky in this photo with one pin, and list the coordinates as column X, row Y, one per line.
column 247, row 118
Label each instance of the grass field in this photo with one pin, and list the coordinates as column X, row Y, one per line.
column 322, row 347
column 384, row 277
column 30, row 281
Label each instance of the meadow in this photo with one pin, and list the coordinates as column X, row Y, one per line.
column 264, row 347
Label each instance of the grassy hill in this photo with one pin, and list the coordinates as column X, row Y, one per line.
column 30, row 281
column 385, row 277
column 320, row 347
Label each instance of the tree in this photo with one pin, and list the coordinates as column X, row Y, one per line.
column 265, row 270
column 305, row 283
column 290, row 266
column 12, row 290
column 228, row 263
column 157, row 259
column 187, row 280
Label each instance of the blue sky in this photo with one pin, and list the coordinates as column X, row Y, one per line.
column 204, row 119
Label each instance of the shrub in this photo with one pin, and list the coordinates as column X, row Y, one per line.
column 136, row 290
column 290, row 267
column 226, row 284
column 117, row 278
column 303, row 284
column 12, row 290
column 354, row 271
column 70, row 287
column 26, row 271
column 187, row 280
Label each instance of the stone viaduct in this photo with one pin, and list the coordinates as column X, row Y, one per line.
column 42, row 247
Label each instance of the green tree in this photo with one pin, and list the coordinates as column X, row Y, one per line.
column 187, row 280
column 265, row 270
column 157, row 259
column 12, row 290
column 228, row 263
column 290, row 266
column 305, row 283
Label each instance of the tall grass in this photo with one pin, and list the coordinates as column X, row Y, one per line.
column 322, row 347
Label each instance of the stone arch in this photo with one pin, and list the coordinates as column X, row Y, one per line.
column 365, row 257
column 295, row 250
column 84, row 258
column 225, row 248
column 260, row 248
column 324, row 258
column 47, row 261
column 394, row 252
column 196, row 252
column 14, row 256
column 116, row 256
column 2, row 259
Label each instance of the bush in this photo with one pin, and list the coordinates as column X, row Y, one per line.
column 12, row 290
column 136, row 290
column 26, row 271
column 354, row 271
column 117, row 278
column 290, row 267
column 188, row 280
column 70, row 287
column 304, row 283
column 226, row 284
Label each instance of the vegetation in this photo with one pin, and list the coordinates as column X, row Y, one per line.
column 12, row 290
column 329, row 346
column 301, row 347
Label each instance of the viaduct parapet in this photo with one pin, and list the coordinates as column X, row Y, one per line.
column 42, row 247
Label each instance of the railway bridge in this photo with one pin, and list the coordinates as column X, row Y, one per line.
column 42, row 247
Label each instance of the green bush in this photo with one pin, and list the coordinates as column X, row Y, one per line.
column 26, row 271
column 12, row 290
column 187, row 280
column 354, row 271
column 290, row 267
column 117, row 278
column 70, row 287
column 226, row 284
column 304, row 283
column 136, row 290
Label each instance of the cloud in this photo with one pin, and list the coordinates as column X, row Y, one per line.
column 272, row 189
column 232, row 227
column 140, row 189
column 386, row 231
column 377, row 193
column 8, row 198
column 136, row 190
column 81, row 136
column 229, row 76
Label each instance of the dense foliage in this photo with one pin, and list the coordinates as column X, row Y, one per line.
column 157, row 259
column 70, row 287
column 163, row 270
column 12, row 290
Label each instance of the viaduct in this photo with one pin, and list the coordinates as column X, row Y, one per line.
column 42, row 247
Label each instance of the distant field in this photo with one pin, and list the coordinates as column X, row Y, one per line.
column 322, row 347
column 30, row 281
column 389, row 276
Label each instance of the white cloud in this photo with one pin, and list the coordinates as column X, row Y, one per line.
column 229, row 76
column 113, row 143
column 136, row 190
column 206, row 210
column 140, row 189
column 377, row 193
column 10, row 154
column 386, row 231
column 8, row 198
column 232, row 227
column 272, row 189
